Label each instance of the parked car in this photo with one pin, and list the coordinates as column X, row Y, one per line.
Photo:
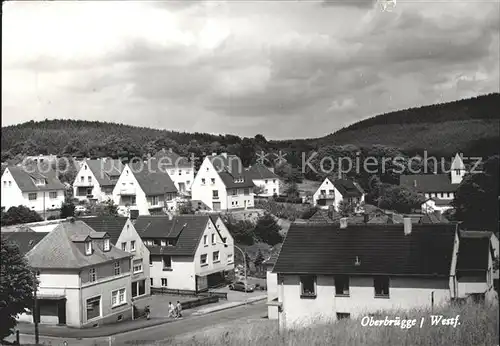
column 240, row 286
column 81, row 209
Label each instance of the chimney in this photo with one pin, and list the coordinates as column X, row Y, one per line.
column 224, row 154
column 170, row 150
column 407, row 225
column 134, row 214
column 365, row 218
column 343, row 222
column 70, row 219
column 214, row 154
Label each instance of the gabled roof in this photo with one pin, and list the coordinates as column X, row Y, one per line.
column 428, row 183
column 58, row 250
column 25, row 241
column 322, row 216
column 260, row 171
column 380, row 249
column 171, row 159
column 152, row 178
column 435, row 217
column 347, row 188
column 439, row 201
column 457, row 163
column 186, row 229
column 231, row 171
column 473, row 252
column 112, row 225
column 25, row 176
column 104, row 169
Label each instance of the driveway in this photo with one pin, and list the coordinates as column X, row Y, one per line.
column 237, row 296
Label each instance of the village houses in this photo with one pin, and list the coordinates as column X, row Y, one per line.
column 333, row 191
column 266, row 179
column 84, row 280
column 146, row 188
column 180, row 170
column 222, row 183
column 187, row 252
column 96, row 179
column 35, row 187
column 371, row 268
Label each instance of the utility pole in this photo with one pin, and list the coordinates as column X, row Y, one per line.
column 35, row 309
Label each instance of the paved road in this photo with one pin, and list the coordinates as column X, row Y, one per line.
column 166, row 332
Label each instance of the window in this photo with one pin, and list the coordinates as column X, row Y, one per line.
column 203, row 259
column 32, row 196
column 93, row 308
column 82, row 179
column 150, row 260
column 163, row 243
column 381, row 285
column 88, row 248
column 308, row 286
column 215, row 194
column 138, row 288
column 246, row 191
column 85, row 167
column 106, row 245
column 322, row 192
column 212, row 181
column 203, row 181
column 213, row 238
column 274, row 180
column 154, row 200
column 92, row 275
column 10, row 183
column 124, row 246
column 170, row 242
column 343, row 315
column 117, row 268
column 164, row 282
column 137, row 266
column 151, row 281
column 180, row 171
column 215, row 256
column 265, row 181
column 330, row 192
column 205, row 238
column 235, row 192
column 53, row 194
column 132, row 245
column 229, row 258
column 341, row 285
column 118, row 297
column 188, row 182
column 89, row 179
column 167, row 262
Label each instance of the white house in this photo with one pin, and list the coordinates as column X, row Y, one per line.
column 369, row 268
column 96, row 179
column 125, row 237
column 265, row 178
column 35, row 187
column 144, row 187
column 180, row 170
column 436, row 204
column 332, row 192
column 223, row 184
column 188, row 252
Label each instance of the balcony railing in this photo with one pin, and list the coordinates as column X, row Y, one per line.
column 215, row 197
column 127, row 192
column 326, row 196
column 84, row 184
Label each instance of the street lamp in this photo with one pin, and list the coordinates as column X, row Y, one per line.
column 35, row 306
column 245, row 265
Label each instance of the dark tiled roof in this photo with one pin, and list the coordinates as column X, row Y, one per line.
column 152, row 178
column 113, row 225
column 25, row 241
column 230, row 169
column 435, row 217
column 104, row 169
column 473, row 252
column 187, row 229
column 171, row 159
column 427, row 183
column 381, row 249
column 347, row 188
column 24, row 178
column 57, row 250
column 322, row 216
column 260, row 171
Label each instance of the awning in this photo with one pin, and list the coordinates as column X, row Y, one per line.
column 50, row 296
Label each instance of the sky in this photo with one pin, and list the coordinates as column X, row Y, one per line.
column 284, row 69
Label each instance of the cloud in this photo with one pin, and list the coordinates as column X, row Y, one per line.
column 283, row 69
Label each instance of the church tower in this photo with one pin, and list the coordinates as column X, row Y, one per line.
column 457, row 170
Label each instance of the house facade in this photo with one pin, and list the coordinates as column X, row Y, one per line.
column 332, row 191
column 125, row 237
column 434, row 204
column 370, row 269
column 223, row 184
column 146, row 188
column 180, row 170
column 34, row 187
column 96, row 179
column 84, row 279
column 266, row 179
column 186, row 252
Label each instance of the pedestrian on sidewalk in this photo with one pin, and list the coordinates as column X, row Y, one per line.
column 147, row 312
column 179, row 309
column 171, row 310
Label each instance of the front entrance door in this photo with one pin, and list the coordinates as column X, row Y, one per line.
column 61, row 311
column 182, row 187
column 216, row 206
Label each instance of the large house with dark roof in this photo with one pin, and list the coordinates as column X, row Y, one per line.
column 265, row 178
column 180, row 170
column 123, row 235
column 332, row 191
column 96, row 179
column 187, row 252
column 329, row 272
column 223, row 183
column 84, row 279
column 35, row 187
column 145, row 187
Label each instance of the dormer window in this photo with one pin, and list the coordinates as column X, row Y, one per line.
column 88, row 248
column 106, row 245
column 163, row 243
column 40, row 182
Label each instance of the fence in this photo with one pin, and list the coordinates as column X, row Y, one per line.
column 189, row 293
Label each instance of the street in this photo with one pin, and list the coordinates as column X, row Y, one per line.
column 164, row 333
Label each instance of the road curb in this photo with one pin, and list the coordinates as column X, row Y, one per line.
column 230, row 307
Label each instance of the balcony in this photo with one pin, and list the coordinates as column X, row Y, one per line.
column 215, row 198
column 130, row 191
column 326, row 196
column 83, row 184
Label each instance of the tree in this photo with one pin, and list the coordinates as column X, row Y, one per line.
column 346, row 208
column 292, row 189
column 16, row 287
column 242, row 231
column 477, row 197
column 67, row 209
column 20, row 214
column 184, row 208
column 259, row 259
column 400, row 199
column 258, row 190
column 107, row 208
column 268, row 230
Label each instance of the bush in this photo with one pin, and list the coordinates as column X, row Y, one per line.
column 282, row 210
column 52, row 217
column 19, row 215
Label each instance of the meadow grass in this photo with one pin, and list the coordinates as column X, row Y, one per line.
column 478, row 327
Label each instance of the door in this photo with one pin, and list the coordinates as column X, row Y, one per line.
column 61, row 311
column 216, row 206
column 182, row 187
column 245, row 203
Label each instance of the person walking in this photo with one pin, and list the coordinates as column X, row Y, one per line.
column 179, row 309
column 147, row 312
column 171, row 310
